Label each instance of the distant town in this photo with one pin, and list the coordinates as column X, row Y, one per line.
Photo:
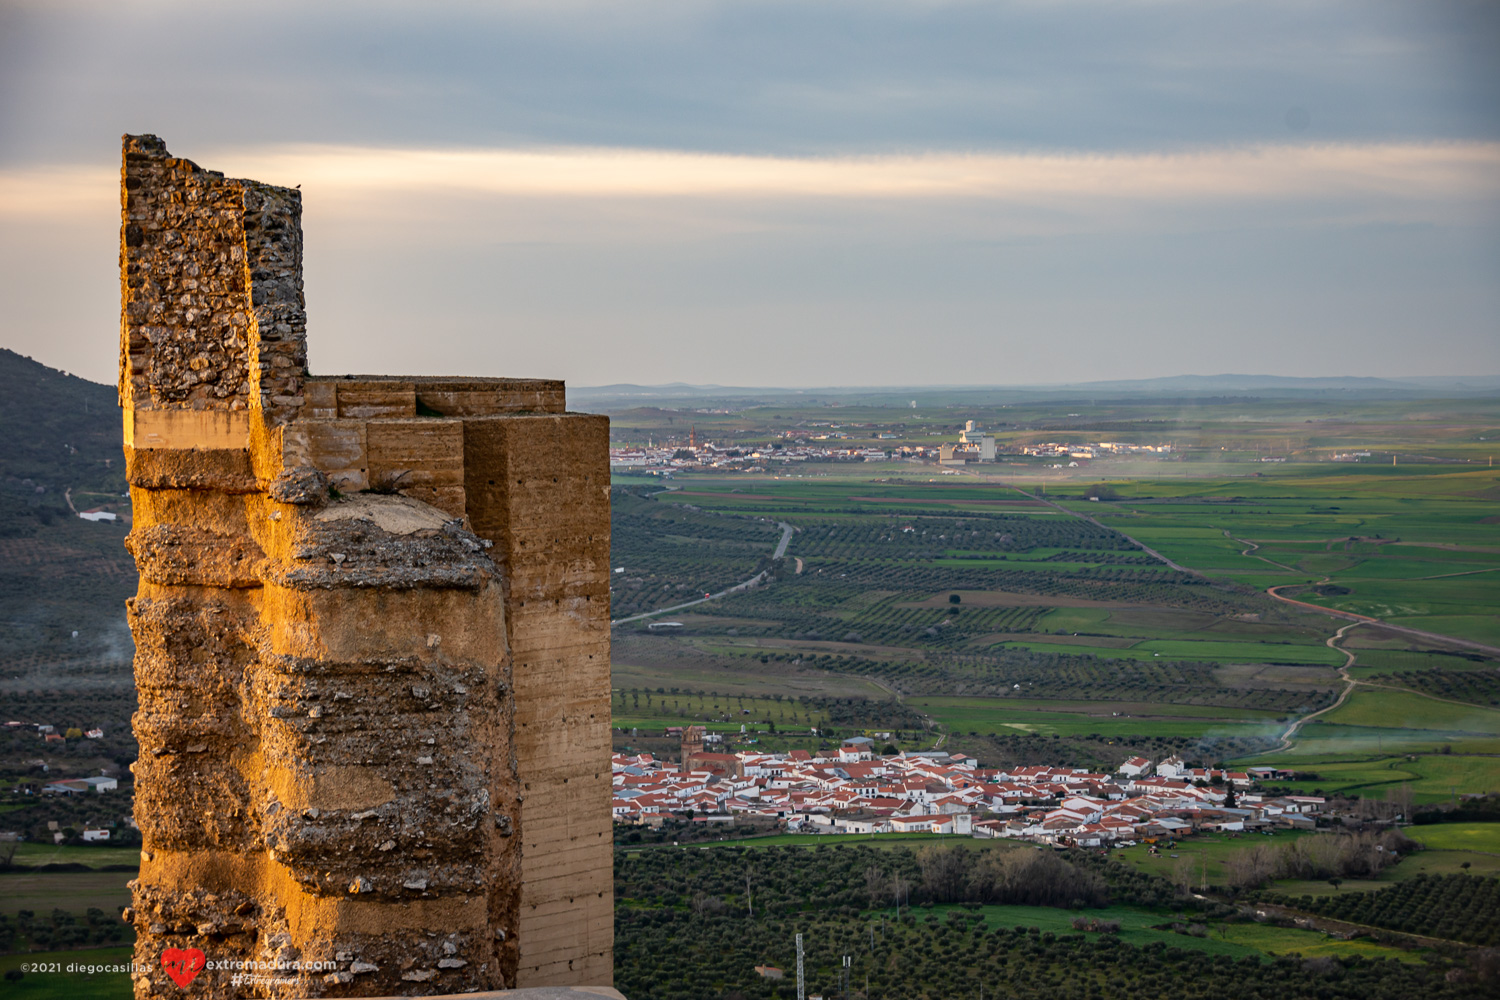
column 858, row 790
column 974, row 446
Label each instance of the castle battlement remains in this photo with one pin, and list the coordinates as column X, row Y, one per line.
column 372, row 635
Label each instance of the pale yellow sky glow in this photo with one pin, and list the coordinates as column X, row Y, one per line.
column 1432, row 173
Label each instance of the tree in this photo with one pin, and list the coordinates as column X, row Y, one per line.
column 954, row 599
column 876, row 884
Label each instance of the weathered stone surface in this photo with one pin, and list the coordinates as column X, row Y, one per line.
column 373, row 725
column 303, row 485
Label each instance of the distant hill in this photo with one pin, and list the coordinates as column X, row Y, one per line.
column 1431, row 385
column 60, row 574
column 627, row 395
column 61, row 431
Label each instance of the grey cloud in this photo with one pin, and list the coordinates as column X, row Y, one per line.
column 775, row 77
column 1339, row 283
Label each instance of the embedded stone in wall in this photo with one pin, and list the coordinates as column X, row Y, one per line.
column 347, row 769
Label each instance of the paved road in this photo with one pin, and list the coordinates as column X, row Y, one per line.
column 1084, row 517
column 786, row 537
column 1272, row 591
column 756, row 580
column 1332, row 642
column 1367, row 620
column 1349, row 682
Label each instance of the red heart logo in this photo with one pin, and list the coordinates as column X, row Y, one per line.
column 183, row 964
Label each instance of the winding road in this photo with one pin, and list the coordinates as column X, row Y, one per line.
column 1332, row 641
column 1367, row 620
column 757, row 579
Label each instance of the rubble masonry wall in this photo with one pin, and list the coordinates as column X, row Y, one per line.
column 372, row 634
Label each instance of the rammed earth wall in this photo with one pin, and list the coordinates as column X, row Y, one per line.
column 372, row 634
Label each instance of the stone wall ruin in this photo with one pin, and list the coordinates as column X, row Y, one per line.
column 372, row 635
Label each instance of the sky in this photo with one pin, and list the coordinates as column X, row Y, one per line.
column 794, row 193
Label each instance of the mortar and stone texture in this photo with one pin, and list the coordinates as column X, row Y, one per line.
column 372, row 636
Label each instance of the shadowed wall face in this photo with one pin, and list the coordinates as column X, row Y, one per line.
column 372, row 635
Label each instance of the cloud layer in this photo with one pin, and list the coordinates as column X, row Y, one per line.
column 705, row 191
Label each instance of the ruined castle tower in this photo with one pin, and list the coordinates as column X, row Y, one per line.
column 372, row 636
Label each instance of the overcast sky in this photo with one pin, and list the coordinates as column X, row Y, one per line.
column 794, row 193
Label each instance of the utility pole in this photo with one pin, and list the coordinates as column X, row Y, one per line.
column 845, row 978
column 749, row 904
column 801, row 983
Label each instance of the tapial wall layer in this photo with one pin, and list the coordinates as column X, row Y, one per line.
column 372, row 636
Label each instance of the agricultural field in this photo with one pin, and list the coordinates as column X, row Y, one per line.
column 930, row 591
column 1417, row 547
column 726, row 909
column 97, row 856
column 741, row 718
column 1141, row 927
column 673, row 553
column 1201, row 859
column 991, row 583
column 73, row 891
column 1384, row 708
column 1431, row 776
column 1482, row 837
column 1102, row 718
column 1454, row 907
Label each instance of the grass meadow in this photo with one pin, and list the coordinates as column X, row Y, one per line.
column 987, row 715
column 1431, row 777
column 1138, row 928
column 41, row 892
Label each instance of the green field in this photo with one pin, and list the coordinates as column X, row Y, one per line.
column 986, row 715
column 33, row 854
column 1177, row 649
column 1379, row 536
column 1484, row 837
column 1048, row 605
column 71, row 891
column 1432, row 777
column 723, row 714
column 1136, row 928
column 1401, row 710
column 849, row 527
column 1204, row 854
column 1436, row 859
